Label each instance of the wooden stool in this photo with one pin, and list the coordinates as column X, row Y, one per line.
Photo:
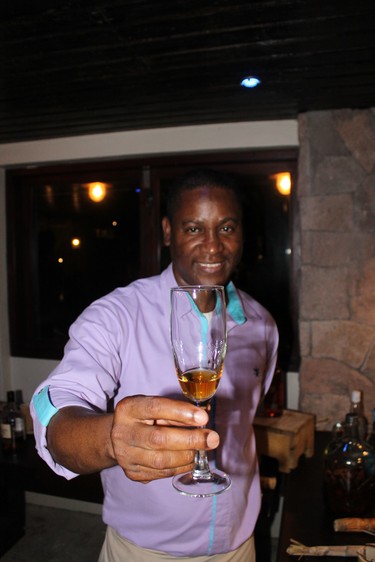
column 286, row 437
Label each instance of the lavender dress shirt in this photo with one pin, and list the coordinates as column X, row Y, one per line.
column 119, row 346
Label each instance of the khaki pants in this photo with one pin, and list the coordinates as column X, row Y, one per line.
column 117, row 549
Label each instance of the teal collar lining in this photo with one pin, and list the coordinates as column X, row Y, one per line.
column 234, row 306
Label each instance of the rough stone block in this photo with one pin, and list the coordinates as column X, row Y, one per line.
column 329, row 376
column 322, row 134
column 364, row 205
column 328, row 409
column 363, row 300
column 333, row 249
column 346, row 341
column 330, row 248
column 323, row 293
column 306, row 244
column 357, row 129
column 305, row 338
column 331, row 213
column 369, row 368
column 337, row 174
column 325, row 387
column 305, row 157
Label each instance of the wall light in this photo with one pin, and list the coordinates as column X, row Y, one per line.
column 97, row 191
column 75, row 242
column 283, row 183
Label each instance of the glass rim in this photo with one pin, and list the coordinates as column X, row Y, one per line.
column 197, row 287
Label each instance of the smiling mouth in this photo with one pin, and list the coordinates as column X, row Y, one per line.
column 210, row 266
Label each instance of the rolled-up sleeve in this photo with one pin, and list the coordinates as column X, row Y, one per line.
column 86, row 377
column 42, row 410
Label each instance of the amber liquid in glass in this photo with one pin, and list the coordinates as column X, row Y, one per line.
column 199, row 385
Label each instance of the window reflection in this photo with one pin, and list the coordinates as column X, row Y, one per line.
column 84, row 249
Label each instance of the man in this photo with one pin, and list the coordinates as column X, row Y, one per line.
column 119, row 350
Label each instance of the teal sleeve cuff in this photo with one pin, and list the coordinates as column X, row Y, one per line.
column 43, row 406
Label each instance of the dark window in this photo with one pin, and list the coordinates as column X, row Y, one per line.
column 83, row 248
column 65, row 250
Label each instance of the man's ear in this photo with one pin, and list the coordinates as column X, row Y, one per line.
column 166, row 225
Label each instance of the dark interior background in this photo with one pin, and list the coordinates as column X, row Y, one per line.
column 72, row 67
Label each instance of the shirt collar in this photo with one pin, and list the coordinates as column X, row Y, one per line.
column 234, row 306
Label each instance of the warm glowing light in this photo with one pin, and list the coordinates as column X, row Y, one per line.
column 97, row 191
column 114, row 223
column 76, row 242
column 60, row 260
column 283, row 183
column 49, row 194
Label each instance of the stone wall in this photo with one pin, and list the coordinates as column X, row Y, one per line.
column 336, row 202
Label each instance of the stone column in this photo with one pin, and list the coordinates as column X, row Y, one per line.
column 336, row 201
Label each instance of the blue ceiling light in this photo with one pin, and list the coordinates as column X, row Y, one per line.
column 250, row 82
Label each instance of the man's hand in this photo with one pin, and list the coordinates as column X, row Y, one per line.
column 152, row 437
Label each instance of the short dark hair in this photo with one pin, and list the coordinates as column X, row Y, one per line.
column 199, row 178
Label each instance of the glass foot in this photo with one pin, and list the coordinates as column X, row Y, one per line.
column 202, row 487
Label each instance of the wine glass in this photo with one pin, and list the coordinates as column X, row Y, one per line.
column 199, row 343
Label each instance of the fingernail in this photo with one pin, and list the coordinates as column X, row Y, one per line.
column 200, row 417
column 213, row 440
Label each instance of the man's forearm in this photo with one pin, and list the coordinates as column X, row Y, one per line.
column 80, row 440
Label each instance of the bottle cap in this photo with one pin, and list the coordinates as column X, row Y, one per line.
column 356, row 396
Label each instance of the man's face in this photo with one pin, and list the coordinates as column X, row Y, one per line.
column 205, row 237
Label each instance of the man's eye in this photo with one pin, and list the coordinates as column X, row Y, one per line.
column 228, row 228
column 192, row 229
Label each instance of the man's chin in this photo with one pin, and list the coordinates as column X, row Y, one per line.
column 211, row 279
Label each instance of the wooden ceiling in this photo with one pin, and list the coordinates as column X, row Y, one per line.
column 75, row 67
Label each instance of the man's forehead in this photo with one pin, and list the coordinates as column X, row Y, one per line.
column 209, row 194
column 208, row 191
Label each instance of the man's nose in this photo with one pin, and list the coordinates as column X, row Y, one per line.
column 213, row 243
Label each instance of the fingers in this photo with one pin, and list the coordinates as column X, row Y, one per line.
column 147, row 447
column 160, row 452
column 155, row 408
column 144, row 474
column 162, row 438
column 148, row 464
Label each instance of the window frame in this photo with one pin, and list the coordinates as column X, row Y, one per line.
column 21, row 259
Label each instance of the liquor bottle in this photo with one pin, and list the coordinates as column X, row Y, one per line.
column 371, row 437
column 12, row 425
column 274, row 400
column 357, row 407
column 349, row 474
column 337, row 435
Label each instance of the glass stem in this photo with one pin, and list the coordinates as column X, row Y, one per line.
column 201, row 467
